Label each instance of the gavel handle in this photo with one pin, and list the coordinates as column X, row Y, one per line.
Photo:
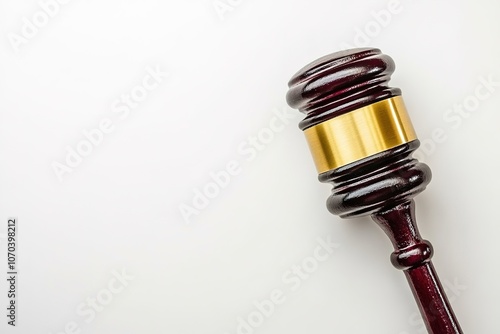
column 413, row 255
column 434, row 306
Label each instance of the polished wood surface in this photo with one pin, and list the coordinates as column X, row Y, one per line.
column 339, row 83
column 382, row 185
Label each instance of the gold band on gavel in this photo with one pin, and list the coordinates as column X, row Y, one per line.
column 360, row 133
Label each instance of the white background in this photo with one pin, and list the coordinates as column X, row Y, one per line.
column 119, row 209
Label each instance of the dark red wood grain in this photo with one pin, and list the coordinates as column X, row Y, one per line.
column 382, row 185
column 413, row 255
column 339, row 83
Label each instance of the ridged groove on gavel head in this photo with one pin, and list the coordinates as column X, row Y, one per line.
column 377, row 182
column 339, row 83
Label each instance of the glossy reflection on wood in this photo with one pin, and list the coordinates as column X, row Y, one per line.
column 381, row 185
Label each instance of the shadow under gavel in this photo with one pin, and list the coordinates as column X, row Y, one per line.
column 362, row 139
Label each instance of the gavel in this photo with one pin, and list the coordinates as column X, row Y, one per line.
column 362, row 140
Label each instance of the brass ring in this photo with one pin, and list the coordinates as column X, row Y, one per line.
column 360, row 133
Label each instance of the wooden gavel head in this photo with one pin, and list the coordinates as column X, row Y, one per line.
column 358, row 131
column 362, row 139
